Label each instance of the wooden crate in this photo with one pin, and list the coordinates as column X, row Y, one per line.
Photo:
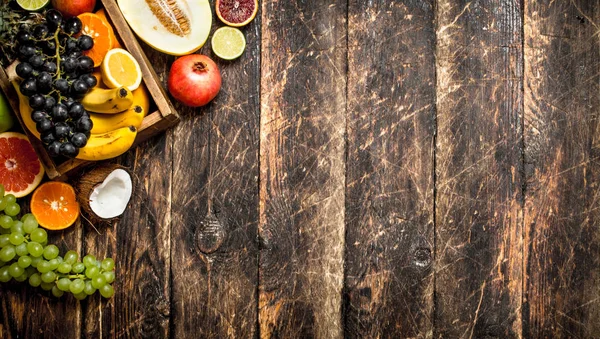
column 155, row 122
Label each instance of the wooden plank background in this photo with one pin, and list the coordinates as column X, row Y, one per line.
column 370, row 169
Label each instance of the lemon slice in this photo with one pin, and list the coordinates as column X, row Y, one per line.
column 120, row 69
column 228, row 43
column 32, row 5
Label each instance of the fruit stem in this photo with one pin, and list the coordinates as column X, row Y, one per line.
column 57, row 54
column 200, row 66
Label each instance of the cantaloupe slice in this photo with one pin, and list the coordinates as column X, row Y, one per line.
column 175, row 27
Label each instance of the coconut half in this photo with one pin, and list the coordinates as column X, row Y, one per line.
column 175, row 27
column 104, row 192
column 109, row 199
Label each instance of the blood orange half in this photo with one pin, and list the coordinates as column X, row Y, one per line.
column 236, row 13
column 20, row 168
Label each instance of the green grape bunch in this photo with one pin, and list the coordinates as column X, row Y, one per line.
column 26, row 255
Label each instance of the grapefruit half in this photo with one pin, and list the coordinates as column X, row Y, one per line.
column 20, row 168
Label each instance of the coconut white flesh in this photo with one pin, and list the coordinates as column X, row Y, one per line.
column 149, row 28
column 110, row 198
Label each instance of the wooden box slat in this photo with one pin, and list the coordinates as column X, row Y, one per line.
column 155, row 122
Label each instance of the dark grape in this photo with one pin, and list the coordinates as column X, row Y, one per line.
column 36, row 61
column 71, row 44
column 68, row 102
column 85, row 42
column 24, row 70
column 24, row 38
column 62, row 85
column 44, row 82
column 28, row 87
column 49, row 47
column 54, row 18
column 44, row 125
column 54, row 149
column 40, row 31
column 76, row 111
column 49, row 66
column 25, row 52
column 71, row 75
column 38, row 116
column 37, row 101
column 78, row 139
column 73, row 25
column 50, row 102
column 75, row 53
column 68, row 150
column 84, row 124
column 61, row 130
column 86, row 64
column 69, row 64
column 59, row 113
column 48, row 138
column 79, row 87
column 89, row 79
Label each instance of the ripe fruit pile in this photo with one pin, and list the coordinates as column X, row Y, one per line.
column 26, row 255
column 56, row 75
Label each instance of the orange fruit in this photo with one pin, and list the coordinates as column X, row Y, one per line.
column 100, row 31
column 20, row 168
column 101, row 13
column 120, row 69
column 54, row 205
column 236, row 13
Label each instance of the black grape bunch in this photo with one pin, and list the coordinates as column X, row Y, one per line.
column 56, row 75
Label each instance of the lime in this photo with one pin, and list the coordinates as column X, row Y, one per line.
column 228, row 43
column 33, row 5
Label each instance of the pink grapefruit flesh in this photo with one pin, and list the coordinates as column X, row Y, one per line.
column 20, row 168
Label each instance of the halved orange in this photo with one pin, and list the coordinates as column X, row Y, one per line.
column 101, row 32
column 54, row 205
column 120, row 69
column 101, row 13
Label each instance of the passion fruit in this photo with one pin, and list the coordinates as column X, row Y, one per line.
column 175, row 27
column 236, row 13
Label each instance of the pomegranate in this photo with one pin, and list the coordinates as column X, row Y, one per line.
column 194, row 80
column 69, row 8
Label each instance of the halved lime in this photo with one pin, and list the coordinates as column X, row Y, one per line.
column 228, row 43
column 33, row 5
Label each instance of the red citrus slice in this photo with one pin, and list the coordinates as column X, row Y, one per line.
column 236, row 13
column 20, row 168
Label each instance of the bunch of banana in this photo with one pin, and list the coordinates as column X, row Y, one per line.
column 116, row 115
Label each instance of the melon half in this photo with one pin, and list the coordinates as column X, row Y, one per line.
column 175, row 27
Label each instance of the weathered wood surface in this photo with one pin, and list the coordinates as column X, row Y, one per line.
column 370, row 169
column 215, row 206
column 303, row 106
column 478, row 167
column 562, row 107
column 389, row 189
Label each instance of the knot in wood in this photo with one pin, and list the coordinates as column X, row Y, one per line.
column 210, row 234
column 422, row 257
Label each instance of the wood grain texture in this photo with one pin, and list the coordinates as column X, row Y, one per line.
column 479, row 150
column 303, row 104
column 389, row 189
column 215, row 206
column 562, row 106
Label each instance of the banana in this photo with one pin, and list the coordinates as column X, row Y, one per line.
column 107, row 122
column 108, row 145
column 142, row 97
column 101, row 100
column 25, row 111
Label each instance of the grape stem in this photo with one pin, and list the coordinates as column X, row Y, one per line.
column 57, row 55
